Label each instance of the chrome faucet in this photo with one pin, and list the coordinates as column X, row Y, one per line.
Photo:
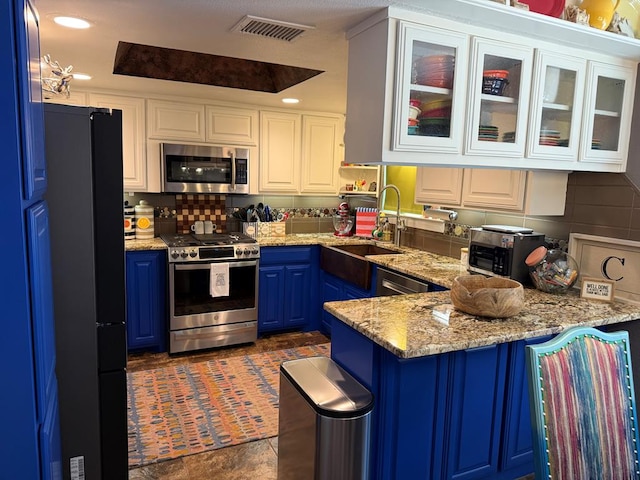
column 399, row 222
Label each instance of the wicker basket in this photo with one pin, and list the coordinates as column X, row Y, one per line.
column 487, row 297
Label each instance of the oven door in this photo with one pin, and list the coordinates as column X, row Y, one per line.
column 191, row 304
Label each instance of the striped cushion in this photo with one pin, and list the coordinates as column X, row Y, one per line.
column 588, row 411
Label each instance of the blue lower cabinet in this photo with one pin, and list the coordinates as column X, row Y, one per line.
column 476, row 392
column 287, row 289
column 146, row 278
column 517, row 448
column 336, row 289
column 457, row 415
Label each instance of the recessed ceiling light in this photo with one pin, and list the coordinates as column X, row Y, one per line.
column 72, row 22
column 290, row 100
column 81, row 76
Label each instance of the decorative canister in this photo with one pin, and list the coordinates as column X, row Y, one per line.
column 144, row 221
column 129, row 221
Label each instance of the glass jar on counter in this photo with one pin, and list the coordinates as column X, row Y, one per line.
column 552, row 271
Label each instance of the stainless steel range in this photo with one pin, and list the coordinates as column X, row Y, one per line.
column 213, row 290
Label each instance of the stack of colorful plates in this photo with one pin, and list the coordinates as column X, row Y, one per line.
column 596, row 144
column 438, row 108
column 435, row 70
column 435, row 126
column 549, row 138
column 488, row 133
column 563, row 142
column 509, row 137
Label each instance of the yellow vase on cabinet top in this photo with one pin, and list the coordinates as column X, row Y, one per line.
column 600, row 12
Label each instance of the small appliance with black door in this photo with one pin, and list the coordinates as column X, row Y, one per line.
column 84, row 163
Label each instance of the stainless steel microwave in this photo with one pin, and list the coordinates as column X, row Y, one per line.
column 204, row 169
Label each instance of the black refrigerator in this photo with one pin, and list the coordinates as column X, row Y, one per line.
column 84, row 163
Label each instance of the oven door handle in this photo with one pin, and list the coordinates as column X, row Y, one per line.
column 207, row 266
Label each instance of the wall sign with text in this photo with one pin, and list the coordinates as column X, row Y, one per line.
column 612, row 262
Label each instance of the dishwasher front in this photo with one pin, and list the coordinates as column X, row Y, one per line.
column 392, row 283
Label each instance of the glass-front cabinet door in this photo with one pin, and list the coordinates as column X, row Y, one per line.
column 500, row 85
column 556, row 107
column 431, row 77
column 607, row 117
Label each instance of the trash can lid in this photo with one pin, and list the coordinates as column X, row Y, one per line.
column 329, row 389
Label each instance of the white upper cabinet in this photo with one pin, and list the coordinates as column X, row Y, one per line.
column 499, row 89
column 300, row 153
column 137, row 177
column 497, row 190
column 176, row 121
column 432, row 80
column 556, row 107
column 507, row 89
column 232, row 126
column 280, row 136
column 322, row 152
column 607, row 119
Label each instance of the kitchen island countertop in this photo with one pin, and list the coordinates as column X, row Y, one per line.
column 405, row 325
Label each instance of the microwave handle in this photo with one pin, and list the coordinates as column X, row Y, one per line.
column 233, row 171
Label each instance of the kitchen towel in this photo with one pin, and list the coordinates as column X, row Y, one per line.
column 365, row 221
column 219, row 280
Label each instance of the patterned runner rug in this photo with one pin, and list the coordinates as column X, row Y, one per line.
column 192, row 408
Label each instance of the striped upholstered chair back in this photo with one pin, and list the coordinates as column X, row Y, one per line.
column 583, row 409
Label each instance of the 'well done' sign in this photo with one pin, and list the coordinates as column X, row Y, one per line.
column 610, row 259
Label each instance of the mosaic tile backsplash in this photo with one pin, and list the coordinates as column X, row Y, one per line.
column 190, row 208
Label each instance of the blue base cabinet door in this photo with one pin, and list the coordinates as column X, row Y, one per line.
column 287, row 289
column 517, row 443
column 335, row 289
column 476, row 390
column 146, row 300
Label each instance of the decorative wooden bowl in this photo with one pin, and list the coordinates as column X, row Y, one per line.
column 487, row 297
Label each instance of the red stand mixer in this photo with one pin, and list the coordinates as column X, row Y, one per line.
column 343, row 221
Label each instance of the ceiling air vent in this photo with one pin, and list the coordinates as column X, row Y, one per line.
column 265, row 27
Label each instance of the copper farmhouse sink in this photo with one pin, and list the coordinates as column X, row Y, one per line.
column 349, row 262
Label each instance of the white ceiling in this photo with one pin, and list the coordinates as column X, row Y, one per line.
column 204, row 26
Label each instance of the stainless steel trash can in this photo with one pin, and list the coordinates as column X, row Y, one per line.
column 324, row 422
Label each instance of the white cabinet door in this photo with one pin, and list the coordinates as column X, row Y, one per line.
column 607, row 117
column 556, row 107
column 439, row 186
column 489, row 188
column 135, row 173
column 176, row 121
column 233, row 126
column 322, row 152
column 280, row 135
column 500, row 85
column 432, row 81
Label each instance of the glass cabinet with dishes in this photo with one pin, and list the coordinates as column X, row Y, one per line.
column 499, row 97
column 608, row 110
column 432, row 72
column 556, row 107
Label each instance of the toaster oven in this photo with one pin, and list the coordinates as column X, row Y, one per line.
column 499, row 250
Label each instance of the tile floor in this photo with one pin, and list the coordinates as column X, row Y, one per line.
column 254, row 460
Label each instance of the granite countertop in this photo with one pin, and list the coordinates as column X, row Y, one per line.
column 150, row 244
column 417, row 263
column 405, row 326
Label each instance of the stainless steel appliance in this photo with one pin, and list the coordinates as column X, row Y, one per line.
column 391, row 283
column 500, row 250
column 204, row 169
column 324, row 422
column 84, row 163
column 198, row 319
